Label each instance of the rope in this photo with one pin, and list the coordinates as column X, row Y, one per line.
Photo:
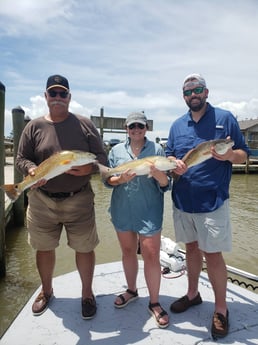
column 241, row 283
column 166, row 270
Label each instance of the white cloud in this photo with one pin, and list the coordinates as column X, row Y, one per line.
column 242, row 110
column 19, row 17
column 130, row 55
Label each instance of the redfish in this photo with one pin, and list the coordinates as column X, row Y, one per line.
column 55, row 165
column 140, row 166
column 202, row 152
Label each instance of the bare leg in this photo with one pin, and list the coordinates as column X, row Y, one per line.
column 150, row 247
column 45, row 261
column 194, row 261
column 217, row 273
column 85, row 263
column 129, row 243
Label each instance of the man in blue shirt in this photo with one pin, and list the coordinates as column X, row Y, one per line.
column 200, row 196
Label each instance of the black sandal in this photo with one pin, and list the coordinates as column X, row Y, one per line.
column 124, row 303
column 159, row 316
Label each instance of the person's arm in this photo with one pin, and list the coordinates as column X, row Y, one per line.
column 25, row 158
column 96, row 145
column 181, row 167
column 125, row 177
column 160, row 176
column 236, row 156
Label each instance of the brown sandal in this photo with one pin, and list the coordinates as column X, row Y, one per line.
column 124, row 303
column 159, row 316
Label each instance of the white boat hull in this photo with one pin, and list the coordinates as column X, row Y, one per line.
column 62, row 324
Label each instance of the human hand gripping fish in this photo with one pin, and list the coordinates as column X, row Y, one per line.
column 224, row 153
column 81, row 170
column 220, row 149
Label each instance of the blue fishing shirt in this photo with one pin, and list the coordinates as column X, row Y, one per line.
column 137, row 205
column 204, row 187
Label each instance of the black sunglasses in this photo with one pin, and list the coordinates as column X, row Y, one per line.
column 197, row 91
column 62, row 94
column 136, row 124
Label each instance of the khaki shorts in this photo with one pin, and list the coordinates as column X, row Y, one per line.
column 212, row 230
column 46, row 218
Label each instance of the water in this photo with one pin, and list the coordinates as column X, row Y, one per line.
column 22, row 278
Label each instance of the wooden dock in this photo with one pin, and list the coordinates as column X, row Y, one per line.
column 8, row 179
column 249, row 167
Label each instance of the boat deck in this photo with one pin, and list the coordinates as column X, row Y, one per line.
column 62, row 324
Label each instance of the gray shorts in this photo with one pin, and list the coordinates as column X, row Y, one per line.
column 212, row 230
column 46, row 218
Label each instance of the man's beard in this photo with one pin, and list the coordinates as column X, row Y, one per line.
column 197, row 107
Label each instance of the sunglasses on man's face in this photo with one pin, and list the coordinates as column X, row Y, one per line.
column 196, row 90
column 62, row 94
column 135, row 125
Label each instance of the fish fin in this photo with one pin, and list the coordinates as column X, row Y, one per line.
column 175, row 177
column 65, row 162
column 190, row 152
column 11, row 191
column 206, row 152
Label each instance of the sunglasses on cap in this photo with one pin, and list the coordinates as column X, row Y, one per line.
column 62, row 94
column 196, row 90
column 135, row 125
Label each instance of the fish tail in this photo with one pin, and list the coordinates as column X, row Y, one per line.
column 104, row 171
column 174, row 176
column 11, row 191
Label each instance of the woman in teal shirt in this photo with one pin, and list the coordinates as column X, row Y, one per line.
column 137, row 204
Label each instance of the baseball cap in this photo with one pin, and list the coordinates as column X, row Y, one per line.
column 136, row 117
column 57, row 81
column 190, row 80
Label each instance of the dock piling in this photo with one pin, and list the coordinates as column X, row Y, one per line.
column 2, row 196
column 18, row 125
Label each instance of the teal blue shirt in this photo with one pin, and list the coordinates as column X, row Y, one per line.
column 137, row 205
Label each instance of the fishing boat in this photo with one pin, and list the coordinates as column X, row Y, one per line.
column 62, row 324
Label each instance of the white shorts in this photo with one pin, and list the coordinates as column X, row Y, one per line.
column 212, row 230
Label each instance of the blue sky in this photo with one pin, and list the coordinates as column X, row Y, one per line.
column 129, row 55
